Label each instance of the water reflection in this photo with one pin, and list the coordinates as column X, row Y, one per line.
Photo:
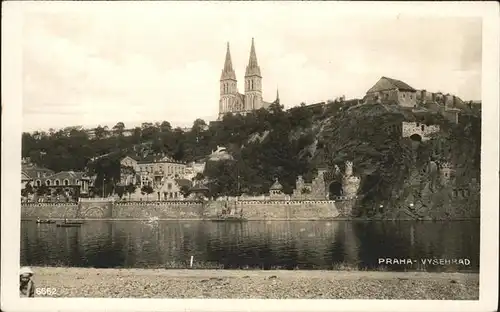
column 287, row 245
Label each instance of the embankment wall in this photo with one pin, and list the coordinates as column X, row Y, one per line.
column 252, row 210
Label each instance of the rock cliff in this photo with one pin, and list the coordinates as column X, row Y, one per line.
column 435, row 177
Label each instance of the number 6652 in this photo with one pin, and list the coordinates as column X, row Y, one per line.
column 45, row 291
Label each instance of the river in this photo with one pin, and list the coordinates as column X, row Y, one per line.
column 255, row 244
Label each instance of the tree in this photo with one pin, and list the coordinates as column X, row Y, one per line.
column 119, row 127
column 100, row 132
column 185, row 190
column 147, row 189
column 130, row 189
column 165, row 127
column 58, row 192
column 305, row 190
column 27, row 190
column 120, row 190
column 75, row 193
column 148, row 131
column 43, row 190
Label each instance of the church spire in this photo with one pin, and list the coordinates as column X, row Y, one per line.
column 228, row 71
column 253, row 68
column 277, row 96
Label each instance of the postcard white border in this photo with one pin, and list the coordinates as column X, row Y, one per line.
column 12, row 22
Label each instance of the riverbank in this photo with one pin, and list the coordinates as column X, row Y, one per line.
column 32, row 219
column 245, row 284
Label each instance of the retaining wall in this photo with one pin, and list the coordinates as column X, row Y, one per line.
column 287, row 210
column 252, row 210
column 162, row 210
column 49, row 211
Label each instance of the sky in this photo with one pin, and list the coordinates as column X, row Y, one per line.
column 163, row 62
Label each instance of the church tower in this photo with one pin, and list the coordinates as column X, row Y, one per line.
column 253, row 82
column 228, row 86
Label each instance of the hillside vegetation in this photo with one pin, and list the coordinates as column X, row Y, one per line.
column 286, row 143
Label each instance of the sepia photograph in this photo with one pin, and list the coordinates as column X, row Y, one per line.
column 249, row 150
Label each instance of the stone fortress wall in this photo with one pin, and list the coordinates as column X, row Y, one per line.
column 415, row 128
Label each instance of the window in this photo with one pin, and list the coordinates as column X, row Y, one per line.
column 404, row 95
column 423, row 127
column 56, row 182
column 66, row 182
column 38, row 183
column 411, row 96
column 47, row 182
column 169, row 186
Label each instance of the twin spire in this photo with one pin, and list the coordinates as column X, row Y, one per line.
column 252, row 69
column 228, row 71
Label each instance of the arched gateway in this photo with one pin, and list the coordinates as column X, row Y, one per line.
column 332, row 184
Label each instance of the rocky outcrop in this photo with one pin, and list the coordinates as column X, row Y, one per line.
column 402, row 176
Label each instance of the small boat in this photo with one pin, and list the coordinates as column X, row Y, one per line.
column 73, row 222
column 228, row 219
column 45, row 221
column 68, row 225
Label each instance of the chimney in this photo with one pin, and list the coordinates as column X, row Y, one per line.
column 454, row 101
column 424, row 96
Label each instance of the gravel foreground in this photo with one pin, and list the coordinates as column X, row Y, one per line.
column 255, row 284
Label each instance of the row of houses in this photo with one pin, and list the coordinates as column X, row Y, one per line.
column 64, row 183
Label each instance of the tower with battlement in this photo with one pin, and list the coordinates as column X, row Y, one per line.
column 446, row 171
column 350, row 182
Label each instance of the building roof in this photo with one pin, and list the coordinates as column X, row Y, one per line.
column 131, row 156
column 25, row 177
column 70, row 175
column 33, row 171
column 183, row 182
column 386, row 83
column 276, row 186
column 158, row 159
column 198, row 187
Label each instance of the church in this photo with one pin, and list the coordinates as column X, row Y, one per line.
column 231, row 100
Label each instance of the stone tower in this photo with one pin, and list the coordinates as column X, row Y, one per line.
column 228, row 85
column 446, row 172
column 253, row 82
column 350, row 183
